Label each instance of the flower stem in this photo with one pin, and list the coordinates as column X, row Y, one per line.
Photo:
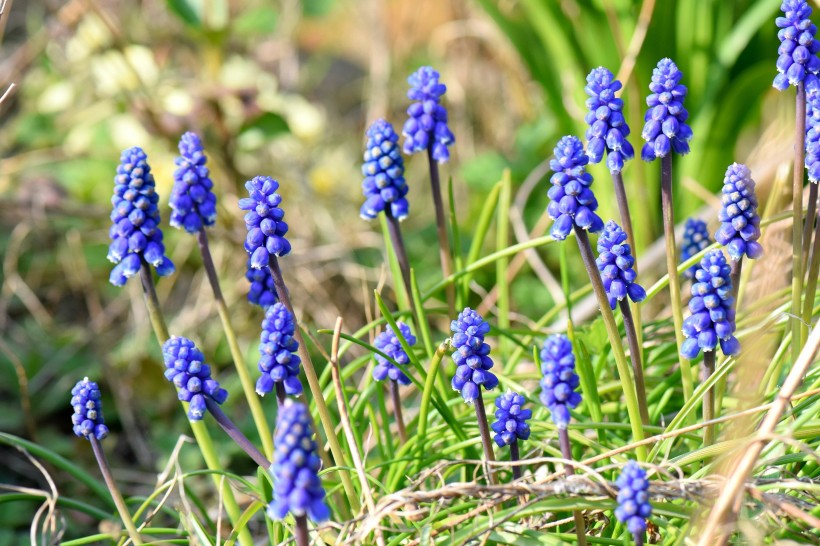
column 484, row 429
column 808, row 225
column 122, row 508
column 814, row 271
column 235, row 434
column 401, row 255
column 396, row 398
column 737, row 267
column 707, row 370
column 797, row 225
column 281, row 395
column 515, row 456
column 315, row 388
column 638, row 538
column 635, row 357
column 566, row 453
column 248, row 388
column 300, row 532
column 672, row 269
column 632, row 406
column 441, row 225
column 623, row 209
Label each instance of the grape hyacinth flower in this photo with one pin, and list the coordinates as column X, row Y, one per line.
column 695, row 239
column 278, row 360
column 615, row 263
column 740, row 224
column 607, row 126
column 88, row 418
column 264, row 220
column 135, row 233
column 263, row 290
column 633, row 499
column 511, row 419
column 798, row 46
column 192, row 199
column 296, row 485
column 813, row 127
column 388, row 342
column 384, row 186
column 426, row 126
column 471, row 356
column 559, row 381
column 186, row 369
column 572, row 202
column 665, row 127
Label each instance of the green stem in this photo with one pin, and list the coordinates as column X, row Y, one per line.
column 122, row 508
column 427, row 393
column 236, row 353
column 708, row 398
column 566, row 453
column 808, row 225
column 798, row 331
column 441, row 228
column 635, row 357
column 614, row 339
column 502, row 265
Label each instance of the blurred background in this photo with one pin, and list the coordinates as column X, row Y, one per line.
column 286, row 89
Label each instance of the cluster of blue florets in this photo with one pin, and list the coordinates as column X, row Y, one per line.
column 384, row 186
column 264, row 220
column 192, row 201
column 87, row 418
column 186, row 369
column 798, row 46
column 559, row 381
column 572, row 202
column 135, row 233
column 607, row 125
column 695, row 239
column 665, row 129
column 278, row 360
column 633, row 498
column 813, row 127
column 471, row 355
column 388, row 343
column 615, row 263
column 739, row 222
column 426, row 126
column 263, row 289
column 511, row 419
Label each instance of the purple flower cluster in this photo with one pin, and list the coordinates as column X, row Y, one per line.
column 813, row 127
column 572, row 202
column 633, row 498
column 87, row 418
column 798, row 46
column 739, row 222
column 263, row 289
column 278, row 360
column 192, row 200
column 615, row 263
column 607, row 126
column 471, row 355
column 186, row 369
column 426, row 125
column 264, row 220
column 384, row 186
column 695, row 239
column 559, row 381
column 388, row 342
column 511, row 419
column 665, row 127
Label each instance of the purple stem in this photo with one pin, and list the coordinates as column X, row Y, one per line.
column 235, row 434
column 396, row 398
column 280, row 393
column 514, row 457
column 635, row 358
column 737, row 267
column 401, row 255
column 566, row 453
column 707, row 369
column 484, row 429
column 300, row 532
column 441, row 226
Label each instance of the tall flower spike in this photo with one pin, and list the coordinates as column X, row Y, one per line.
column 633, row 498
column 695, row 239
column 427, row 122
column 572, row 202
column 263, row 289
column 511, row 419
column 712, row 307
column 665, row 129
column 185, row 367
column 383, row 169
column 278, row 360
column 607, row 126
column 192, row 199
column 739, row 222
column 388, row 342
column 813, row 127
column 798, row 46
column 264, row 220
column 471, row 355
column 559, row 381
column 296, row 485
column 135, row 233
column 615, row 263
column 88, row 418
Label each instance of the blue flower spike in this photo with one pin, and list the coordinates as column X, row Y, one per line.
column 135, row 233
column 192, row 201
column 471, row 356
column 813, row 127
column 633, row 499
column 388, row 342
column 615, row 263
column 278, row 360
column 297, row 488
column 712, row 321
column 665, row 129
column 384, row 186
column 572, row 202
column 265, row 221
column 87, row 418
column 263, row 289
column 695, row 238
column 511, row 419
column 798, row 46
column 559, row 382
column 739, row 222
column 426, row 126
column 185, row 367
column 607, row 125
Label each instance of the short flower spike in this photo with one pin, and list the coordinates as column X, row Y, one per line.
column 384, row 186
column 572, row 202
column 695, row 239
column 559, row 381
column 192, row 199
column 712, row 307
column 88, row 418
column 265, row 221
column 798, row 46
column 615, row 263
column 665, row 129
column 263, row 289
column 278, row 360
column 426, row 125
column 185, row 367
column 607, row 125
column 511, row 419
column 813, row 127
column 633, row 498
column 135, row 233
column 297, row 488
column 388, row 342
column 739, row 222
column 471, row 355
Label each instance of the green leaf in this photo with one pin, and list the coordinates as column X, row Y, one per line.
column 256, row 21
column 189, row 11
column 269, row 123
